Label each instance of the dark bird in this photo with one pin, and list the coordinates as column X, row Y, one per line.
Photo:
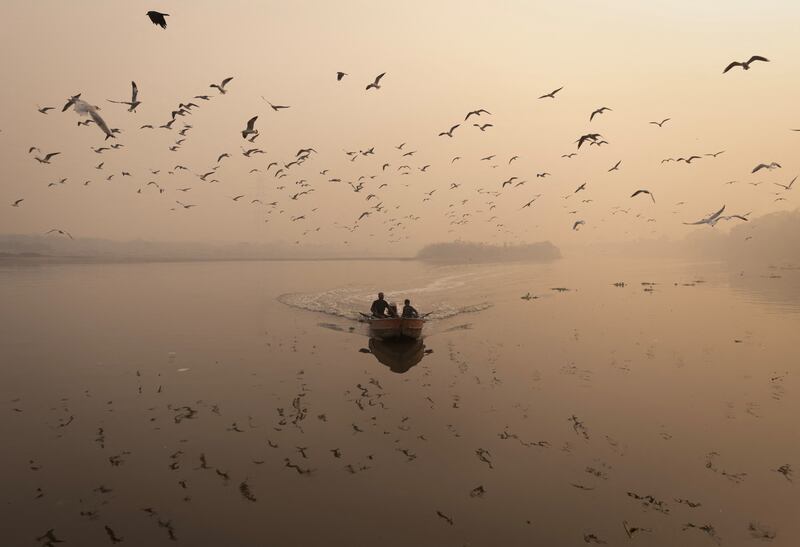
column 637, row 192
column 552, row 94
column 578, row 223
column 158, row 18
column 569, row 155
column 786, row 186
column 16, row 203
column 746, row 64
column 221, row 86
column 447, row 519
column 616, row 166
column 579, row 188
column 134, row 102
column 249, row 130
column 598, row 111
column 340, row 75
column 47, row 157
column 770, row 166
column 482, row 127
column 113, row 536
column 591, row 137
column 44, row 109
column 542, row 175
column 477, row 113
column 275, row 107
column 662, row 122
column 376, row 84
column 711, row 219
column 70, row 102
column 689, row 159
column 715, row 154
column 449, row 133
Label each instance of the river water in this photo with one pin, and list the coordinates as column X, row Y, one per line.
column 242, row 403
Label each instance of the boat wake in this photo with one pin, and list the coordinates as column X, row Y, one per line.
column 350, row 303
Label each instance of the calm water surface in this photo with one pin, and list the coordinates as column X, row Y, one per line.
column 228, row 403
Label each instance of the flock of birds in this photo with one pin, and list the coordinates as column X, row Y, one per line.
column 463, row 205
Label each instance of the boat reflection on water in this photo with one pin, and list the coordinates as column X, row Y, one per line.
column 399, row 354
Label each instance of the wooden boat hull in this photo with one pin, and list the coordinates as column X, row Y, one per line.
column 395, row 327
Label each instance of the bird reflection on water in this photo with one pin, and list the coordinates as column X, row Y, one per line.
column 400, row 354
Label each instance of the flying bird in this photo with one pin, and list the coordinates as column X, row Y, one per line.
column 449, row 133
column 770, row 166
column 476, row 113
column 598, row 111
column 249, row 130
column 616, row 166
column 376, row 83
column 83, row 108
column 552, row 94
column 786, row 186
column 340, row 75
column 134, row 102
column 71, row 102
column 482, row 127
column 578, row 223
column 711, row 219
column 62, row 232
column 221, row 86
column 16, row 203
column 275, row 107
column 637, row 192
column 47, row 157
column 44, row 109
column 746, row 64
column 158, row 18
column 662, row 122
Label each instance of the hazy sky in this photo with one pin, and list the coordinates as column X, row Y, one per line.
column 644, row 60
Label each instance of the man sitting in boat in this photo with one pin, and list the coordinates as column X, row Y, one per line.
column 379, row 306
column 408, row 309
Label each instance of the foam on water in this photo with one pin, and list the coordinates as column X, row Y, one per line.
column 350, row 303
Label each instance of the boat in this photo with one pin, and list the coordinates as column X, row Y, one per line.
column 387, row 328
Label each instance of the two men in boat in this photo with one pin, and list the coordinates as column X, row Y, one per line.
column 381, row 308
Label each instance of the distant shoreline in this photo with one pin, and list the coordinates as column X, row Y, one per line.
column 55, row 259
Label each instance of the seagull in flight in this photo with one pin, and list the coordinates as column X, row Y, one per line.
column 598, row 111
column 377, row 83
column 47, row 157
column 637, row 192
column 662, row 122
column 250, row 129
column 770, row 166
column 786, row 186
column 17, row 203
column 552, row 94
column 221, row 86
column 134, row 102
column 616, row 166
column 340, row 75
column 578, row 223
column 44, row 109
column 158, row 18
column 579, row 188
column 275, row 107
column 746, row 64
column 477, row 113
column 711, row 219
column 482, row 127
column 715, row 154
column 62, row 232
column 449, row 133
